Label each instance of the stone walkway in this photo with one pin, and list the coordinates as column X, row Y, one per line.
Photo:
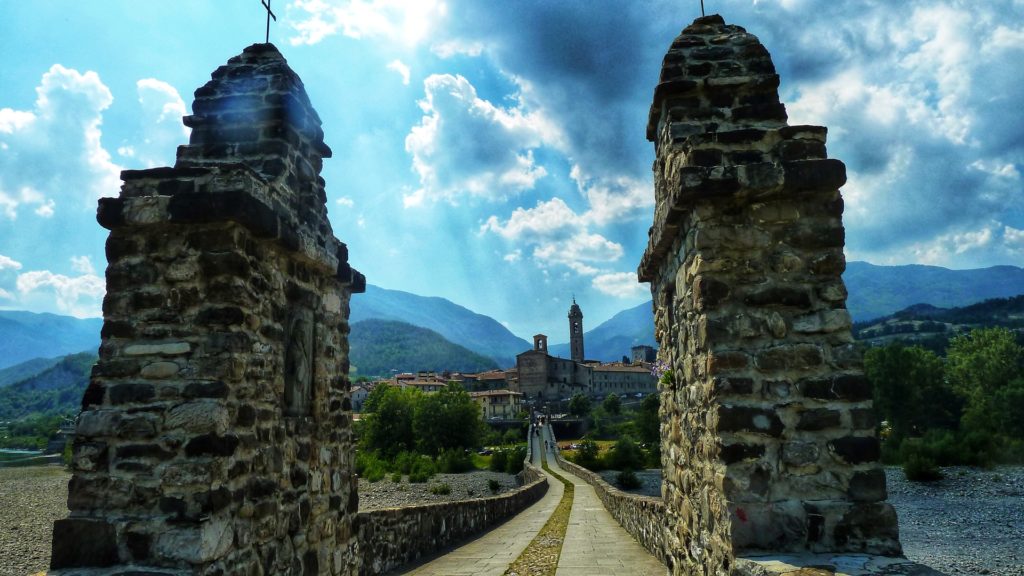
column 595, row 544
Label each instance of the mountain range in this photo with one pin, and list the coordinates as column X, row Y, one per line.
column 874, row 291
column 382, row 347
column 27, row 335
column 459, row 325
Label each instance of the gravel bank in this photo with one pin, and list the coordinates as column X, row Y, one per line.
column 388, row 494
column 30, row 500
column 969, row 523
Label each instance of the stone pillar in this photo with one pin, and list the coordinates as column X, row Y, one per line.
column 768, row 439
column 215, row 436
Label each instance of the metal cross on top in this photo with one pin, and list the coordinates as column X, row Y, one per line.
column 266, row 4
column 701, row 11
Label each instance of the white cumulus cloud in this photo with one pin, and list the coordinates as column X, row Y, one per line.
column 162, row 129
column 8, row 263
column 401, row 68
column 79, row 296
column 54, row 150
column 620, row 285
column 404, row 22
column 467, row 146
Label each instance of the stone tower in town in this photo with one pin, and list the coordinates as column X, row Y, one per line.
column 575, row 332
column 768, row 436
column 215, row 434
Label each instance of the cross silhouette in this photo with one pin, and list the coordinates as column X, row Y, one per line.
column 266, row 4
column 701, row 11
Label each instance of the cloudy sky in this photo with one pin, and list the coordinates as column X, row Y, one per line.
column 493, row 153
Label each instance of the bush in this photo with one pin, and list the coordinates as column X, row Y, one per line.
column 422, row 470
column 626, row 455
column 454, row 461
column 499, row 460
column 514, row 460
column 587, row 455
column 370, row 466
column 627, row 480
column 396, row 477
column 493, row 485
column 920, row 468
column 405, row 461
column 441, row 489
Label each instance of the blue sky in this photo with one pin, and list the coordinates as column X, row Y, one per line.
column 493, row 153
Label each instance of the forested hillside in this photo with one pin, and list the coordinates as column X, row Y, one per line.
column 381, row 347
column 56, row 390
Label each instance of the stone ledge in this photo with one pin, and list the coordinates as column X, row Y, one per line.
column 829, row 565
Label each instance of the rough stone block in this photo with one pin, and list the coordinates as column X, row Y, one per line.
column 83, row 543
column 868, row 486
column 818, row 419
column 790, row 357
column 748, row 419
column 855, row 449
column 850, row 387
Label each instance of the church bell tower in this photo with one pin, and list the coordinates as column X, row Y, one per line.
column 576, row 332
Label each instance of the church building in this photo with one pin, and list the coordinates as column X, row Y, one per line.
column 550, row 378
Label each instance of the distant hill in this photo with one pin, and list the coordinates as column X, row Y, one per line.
column 481, row 334
column 876, row 291
column 932, row 327
column 26, row 369
column 613, row 339
column 379, row 347
column 56, row 390
column 27, row 335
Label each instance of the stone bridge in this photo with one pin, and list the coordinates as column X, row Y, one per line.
column 215, row 436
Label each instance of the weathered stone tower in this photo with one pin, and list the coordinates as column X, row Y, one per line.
column 575, row 332
column 768, row 437
column 215, row 435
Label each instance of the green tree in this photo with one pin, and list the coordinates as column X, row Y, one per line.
column 910, row 391
column 982, row 367
column 647, row 421
column 612, row 404
column 626, row 455
column 446, row 420
column 388, row 424
column 579, row 405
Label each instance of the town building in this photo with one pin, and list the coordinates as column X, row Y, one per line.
column 543, row 377
column 498, row 404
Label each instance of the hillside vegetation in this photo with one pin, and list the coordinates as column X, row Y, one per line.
column 481, row 334
column 55, row 391
column 932, row 327
column 379, row 347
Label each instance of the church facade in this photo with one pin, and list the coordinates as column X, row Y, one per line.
column 547, row 378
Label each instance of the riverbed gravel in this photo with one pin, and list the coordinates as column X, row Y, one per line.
column 970, row 523
column 30, row 500
column 388, row 494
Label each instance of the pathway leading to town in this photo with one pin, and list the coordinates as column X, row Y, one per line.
column 491, row 553
column 595, row 544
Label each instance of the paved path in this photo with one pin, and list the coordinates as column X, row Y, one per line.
column 595, row 543
column 491, row 553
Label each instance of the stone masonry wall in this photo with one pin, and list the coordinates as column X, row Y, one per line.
column 393, row 537
column 215, row 436
column 767, row 429
column 642, row 516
